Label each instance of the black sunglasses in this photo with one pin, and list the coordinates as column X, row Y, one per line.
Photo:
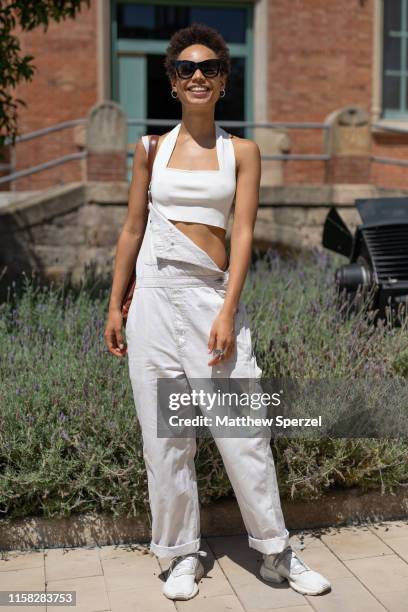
column 186, row 68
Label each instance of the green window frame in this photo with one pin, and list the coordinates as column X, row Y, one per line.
column 135, row 50
column 395, row 59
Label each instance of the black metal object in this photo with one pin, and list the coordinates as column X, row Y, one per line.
column 378, row 252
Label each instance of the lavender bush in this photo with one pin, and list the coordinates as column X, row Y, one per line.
column 300, row 331
column 69, row 438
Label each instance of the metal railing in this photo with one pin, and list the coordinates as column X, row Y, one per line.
column 171, row 122
column 48, row 164
column 390, row 160
column 252, row 124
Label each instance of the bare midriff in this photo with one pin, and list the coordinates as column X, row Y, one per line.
column 208, row 237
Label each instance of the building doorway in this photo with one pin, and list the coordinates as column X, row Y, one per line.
column 140, row 36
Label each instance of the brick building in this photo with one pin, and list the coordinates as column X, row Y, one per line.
column 298, row 61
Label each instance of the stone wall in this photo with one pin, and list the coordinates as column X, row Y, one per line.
column 65, row 230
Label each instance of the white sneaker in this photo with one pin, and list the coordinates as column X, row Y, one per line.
column 286, row 565
column 183, row 573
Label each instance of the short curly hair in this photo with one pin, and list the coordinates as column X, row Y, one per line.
column 196, row 33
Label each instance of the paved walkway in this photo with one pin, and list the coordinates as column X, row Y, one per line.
column 367, row 566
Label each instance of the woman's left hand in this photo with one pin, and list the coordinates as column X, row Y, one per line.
column 222, row 336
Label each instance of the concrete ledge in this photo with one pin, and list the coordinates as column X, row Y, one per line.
column 60, row 231
column 109, row 192
column 218, row 518
column 42, row 206
column 323, row 195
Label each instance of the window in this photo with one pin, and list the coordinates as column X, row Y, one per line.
column 140, row 36
column 159, row 22
column 395, row 59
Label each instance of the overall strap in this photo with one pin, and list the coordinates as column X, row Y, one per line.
column 227, row 152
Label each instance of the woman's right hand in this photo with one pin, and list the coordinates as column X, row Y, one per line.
column 113, row 334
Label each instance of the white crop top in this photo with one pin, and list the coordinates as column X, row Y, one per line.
column 199, row 196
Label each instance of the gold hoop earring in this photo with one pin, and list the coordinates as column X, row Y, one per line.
column 173, row 91
column 222, row 93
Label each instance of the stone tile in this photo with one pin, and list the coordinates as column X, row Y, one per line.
column 346, row 594
column 18, row 560
column 240, row 565
column 127, row 568
column 235, row 552
column 63, row 563
column 140, row 600
column 218, row 603
column 395, row 535
column 13, row 608
column 290, row 609
column 27, row 579
column 390, row 529
column 352, row 543
column 23, row 608
column 380, row 574
column 265, row 595
column 30, row 579
column 115, row 551
column 305, row 539
column 396, row 601
column 400, row 546
column 325, row 562
column 91, row 595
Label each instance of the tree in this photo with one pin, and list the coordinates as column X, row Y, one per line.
column 14, row 67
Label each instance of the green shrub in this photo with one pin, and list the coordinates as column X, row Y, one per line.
column 69, row 438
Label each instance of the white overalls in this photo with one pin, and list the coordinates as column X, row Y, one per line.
column 179, row 292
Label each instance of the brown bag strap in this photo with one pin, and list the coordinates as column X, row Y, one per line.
column 153, row 140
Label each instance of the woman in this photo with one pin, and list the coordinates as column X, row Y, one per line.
column 187, row 305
